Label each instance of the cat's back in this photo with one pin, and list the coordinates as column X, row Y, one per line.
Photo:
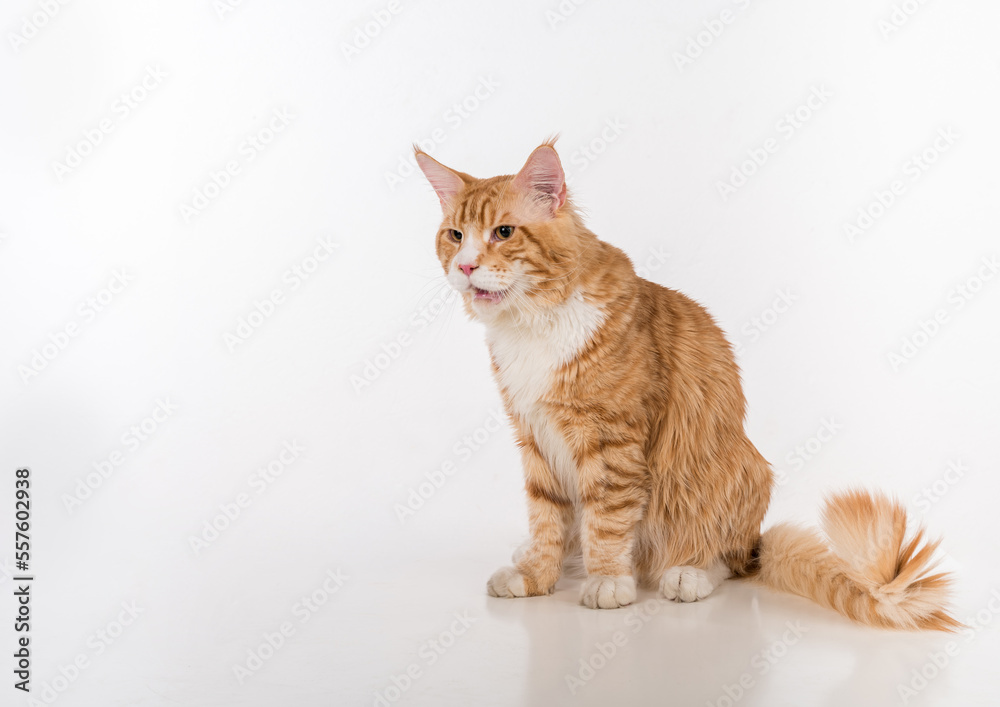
column 674, row 313
column 689, row 345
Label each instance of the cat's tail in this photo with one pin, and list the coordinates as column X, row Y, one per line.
column 867, row 569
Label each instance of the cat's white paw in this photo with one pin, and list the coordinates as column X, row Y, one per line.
column 685, row 583
column 507, row 583
column 607, row 592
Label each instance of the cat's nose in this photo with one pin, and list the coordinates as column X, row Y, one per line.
column 467, row 269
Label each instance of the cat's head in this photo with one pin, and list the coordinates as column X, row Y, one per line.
column 509, row 244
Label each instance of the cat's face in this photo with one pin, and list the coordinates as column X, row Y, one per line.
column 500, row 241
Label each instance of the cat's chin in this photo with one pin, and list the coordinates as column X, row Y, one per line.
column 486, row 305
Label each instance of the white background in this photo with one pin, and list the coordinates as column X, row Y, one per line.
column 650, row 186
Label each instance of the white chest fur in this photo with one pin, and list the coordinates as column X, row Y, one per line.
column 528, row 354
column 529, row 351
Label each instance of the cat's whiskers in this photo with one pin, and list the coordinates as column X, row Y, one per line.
column 432, row 291
column 449, row 313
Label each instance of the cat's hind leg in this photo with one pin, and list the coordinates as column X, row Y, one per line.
column 685, row 583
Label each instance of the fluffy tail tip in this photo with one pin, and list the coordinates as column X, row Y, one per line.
column 867, row 531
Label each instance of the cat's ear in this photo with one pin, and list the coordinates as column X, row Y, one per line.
column 543, row 179
column 446, row 182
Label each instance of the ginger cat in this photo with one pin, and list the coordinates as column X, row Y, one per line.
column 628, row 409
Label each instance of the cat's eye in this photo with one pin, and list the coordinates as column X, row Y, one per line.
column 502, row 233
column 455, row 235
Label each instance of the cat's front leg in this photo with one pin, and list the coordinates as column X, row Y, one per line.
column 550, row 514
column 614, row 492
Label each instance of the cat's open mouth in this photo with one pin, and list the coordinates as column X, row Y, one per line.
column 487, row 295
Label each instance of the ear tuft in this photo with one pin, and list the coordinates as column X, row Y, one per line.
column 446, row 182
column 542, row 177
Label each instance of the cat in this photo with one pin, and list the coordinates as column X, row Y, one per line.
column 629, row 413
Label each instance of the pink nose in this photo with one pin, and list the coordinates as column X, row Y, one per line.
column 467, row 269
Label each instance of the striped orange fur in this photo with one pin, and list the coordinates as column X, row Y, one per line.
column 629, row 413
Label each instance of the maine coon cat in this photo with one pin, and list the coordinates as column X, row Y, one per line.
column 628, row 409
